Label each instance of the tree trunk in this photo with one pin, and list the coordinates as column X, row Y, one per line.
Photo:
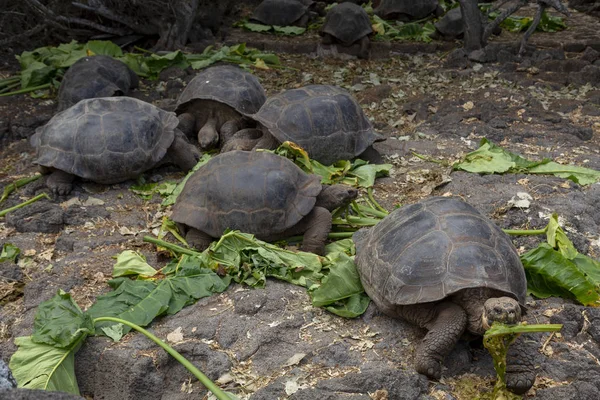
column 473, row 25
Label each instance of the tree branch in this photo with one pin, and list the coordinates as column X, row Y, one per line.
column 109, row 14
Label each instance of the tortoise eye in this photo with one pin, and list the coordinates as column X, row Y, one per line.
column 497, row 310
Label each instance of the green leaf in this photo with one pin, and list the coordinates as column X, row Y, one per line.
column 104, row 48
column 492, row 159
column 144, row 190
column 341, row 282
column 156, row 63
column 115, row 332
column 351, row 307
column 557, row 238
column 59, row 322
column 581, row 175
column 136, row 62
column 130, row 262
column 44, row 367
column 37, row 73
column 367, row 173
column 549, row 273
column 589, row 266
column 9, row 252
column 289, row 30
column 256, row 27
column 141, row 302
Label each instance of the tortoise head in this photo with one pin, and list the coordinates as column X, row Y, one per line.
column 501, row 309
column 334, row 196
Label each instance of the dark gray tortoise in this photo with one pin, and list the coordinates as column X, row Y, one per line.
column 406, row 10
column 95, row 76
column 325, row 120
column 451, row 26
column 283, row 12
column 348, row 23
column 443, row 266
column 214, row 103
column 109, row 140
column 259, row 193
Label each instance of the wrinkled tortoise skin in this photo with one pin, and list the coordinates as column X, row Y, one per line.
column 325, row 120
column 256, row 192
column 95, row 76
column 106, row 140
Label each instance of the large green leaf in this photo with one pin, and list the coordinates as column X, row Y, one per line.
column 37, row 73
column 350, row 307
column 157, row 63
column 104, row 48
column 289, row 30
column 492, row 159
column 131, row 262
column 59, row 322
column 41, row 366
column 549, row 273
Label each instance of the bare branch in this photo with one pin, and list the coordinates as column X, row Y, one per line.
column 26, row 34
column 98, row 27
column 109, row 14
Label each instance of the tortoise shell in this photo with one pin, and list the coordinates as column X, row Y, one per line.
column 226, row 84
column 255, row 192
column 96, row 76
column 427, row 251
column 106, row 140
column 347, row 22
column 415, row 9
column 325, row 120
column 280, row 12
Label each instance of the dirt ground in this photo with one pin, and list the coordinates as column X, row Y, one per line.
column 272, row 343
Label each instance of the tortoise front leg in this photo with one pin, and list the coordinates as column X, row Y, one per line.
column 198, row 239
column 60, row 182
column 520, row 366
column 267, row 141
column 446, row 322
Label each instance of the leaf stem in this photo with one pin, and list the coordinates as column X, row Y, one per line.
column 23, row 204
column 524, row 232
column 27, row 90
column 171, row 246
column 219, row 394
column 10, row 87
column 375, row 203
column 17, row 184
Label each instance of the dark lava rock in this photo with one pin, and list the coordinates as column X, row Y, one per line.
column 457, row 59
column 77, row 215
column 591, row 110
column 11, row 272
column 27, row 394
column 583, row 133
column 565, row 105
column 590, row 55
column 505, row 56
column 570, row 65
column 576, row 390
column 571, row 316
column 588, row 74
column 7, row 381
column 547, row 54
column 41, row 216
column 498, row 123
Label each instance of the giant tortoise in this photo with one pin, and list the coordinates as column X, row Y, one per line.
column 406, row 10
column 346, row 24
column 324, row 120
column 260, row 193
column 95, row 76
column 109, row 140
column 443, row 266
column 283, row 12
column 214, row 103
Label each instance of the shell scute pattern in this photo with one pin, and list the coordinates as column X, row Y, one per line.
column 430, row 250
column 106, row 140
column 264, row 194
column 347, row 22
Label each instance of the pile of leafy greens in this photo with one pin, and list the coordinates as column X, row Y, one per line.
column 492, row 159
column 45, row 360
column 279, row 30
column 45, row 66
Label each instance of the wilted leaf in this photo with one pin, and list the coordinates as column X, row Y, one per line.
column 9, row 252
column 130, row 262
column 289, row 30
column 104, row 48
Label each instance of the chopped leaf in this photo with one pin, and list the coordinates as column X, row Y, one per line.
column 557, row 238
column 9, row 252
column 490, row 159
column 550, row 273
column 257, row 27
column 104, row 48
column 289, row 30
column 131, row 262
column 59, row 322
column 44, row 367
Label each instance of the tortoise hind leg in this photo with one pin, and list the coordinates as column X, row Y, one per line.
column 60, row 182
column 446, row 323
column 520, row 366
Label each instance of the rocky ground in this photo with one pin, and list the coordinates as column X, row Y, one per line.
column 272, row 343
